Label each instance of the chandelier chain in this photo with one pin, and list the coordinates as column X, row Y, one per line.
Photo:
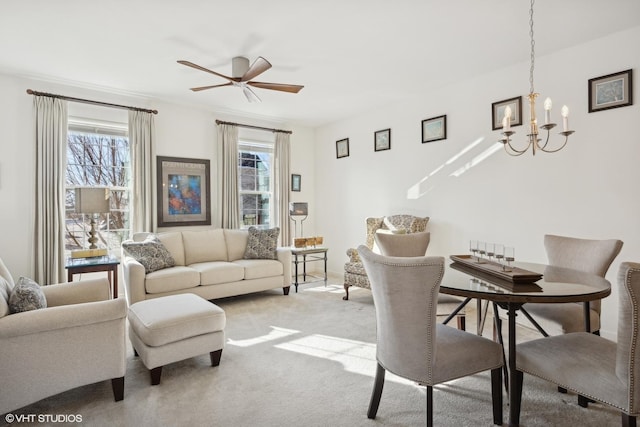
column 533, row 48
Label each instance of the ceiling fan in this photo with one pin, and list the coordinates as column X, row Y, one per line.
column 242, row 75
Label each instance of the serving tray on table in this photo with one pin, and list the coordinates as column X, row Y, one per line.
column 517, row 275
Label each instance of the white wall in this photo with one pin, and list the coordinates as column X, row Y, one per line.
column 181, row 131
column 587, row 190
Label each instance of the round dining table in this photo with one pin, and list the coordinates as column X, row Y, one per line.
column 556, row 285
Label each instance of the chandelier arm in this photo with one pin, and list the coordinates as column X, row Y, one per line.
column 508, row 142
column 566, row 138
column 514, row 154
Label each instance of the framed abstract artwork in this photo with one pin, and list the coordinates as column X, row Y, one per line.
column 183, row 189
column 611, row 91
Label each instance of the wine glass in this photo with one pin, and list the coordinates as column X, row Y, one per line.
column 499, row 252
column 509, row 256
column 491, row 250
column 482, row 249
column 473, row 247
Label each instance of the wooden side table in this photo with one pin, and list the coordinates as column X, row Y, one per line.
column 107, row 263
column 315, row 254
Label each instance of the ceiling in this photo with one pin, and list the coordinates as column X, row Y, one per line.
column 351, row 55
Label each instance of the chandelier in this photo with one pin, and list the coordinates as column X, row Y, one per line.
column 533, row 140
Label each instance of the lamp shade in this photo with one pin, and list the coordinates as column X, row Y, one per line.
column 92, row 200
column 298, row 208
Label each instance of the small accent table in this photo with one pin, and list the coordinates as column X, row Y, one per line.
column 107, row 263
column 308, row 255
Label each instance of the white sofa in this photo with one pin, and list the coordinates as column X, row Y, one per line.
column 208, row 263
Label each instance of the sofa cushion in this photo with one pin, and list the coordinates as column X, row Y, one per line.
column 151, row 253
column 204, row 246
column 262, row 244
column 5, row 291
column 236, row 243
column 217, row 272
column 173, row 242
column 259, row 268
column 171, row 279
column 26, row 296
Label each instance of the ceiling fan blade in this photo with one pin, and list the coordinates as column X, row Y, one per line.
column 251, row 96
column 197, row 89
column 277, row 86
column 197, row 67
column 259, row 66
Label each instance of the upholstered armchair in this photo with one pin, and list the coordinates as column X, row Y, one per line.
column 354, row 274
column 78, row 339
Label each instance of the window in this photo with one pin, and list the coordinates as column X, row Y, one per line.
column 255, row 175
column 98, row 155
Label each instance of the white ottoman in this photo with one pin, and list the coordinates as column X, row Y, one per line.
column 173, row 328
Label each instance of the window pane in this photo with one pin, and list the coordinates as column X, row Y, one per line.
column 254, row 177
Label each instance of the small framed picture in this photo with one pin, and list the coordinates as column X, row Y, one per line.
column 342, row 148
column 382, row 140
column 295, row 182
column 610, row 91
column 434, row 129
column 497, row 112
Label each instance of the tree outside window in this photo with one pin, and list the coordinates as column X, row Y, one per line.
column 254, row 179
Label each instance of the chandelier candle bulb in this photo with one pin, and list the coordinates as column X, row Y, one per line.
column 547, row 111
column 565, row 118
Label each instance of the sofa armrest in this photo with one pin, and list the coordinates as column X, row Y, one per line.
column 77, row 292
column 134, row 275
column 61, row 317
column 284, row 256
column 352, row 253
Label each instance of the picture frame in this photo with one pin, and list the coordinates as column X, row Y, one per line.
column 434, row 129
column 611, row 91
column 295, row 182
column 183, row 191
column 382, row 140
column 342, row 148
column 497, row 112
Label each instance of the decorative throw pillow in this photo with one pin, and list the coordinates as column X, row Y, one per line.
column 26, row 296
column 262, row 244
column 151, row 253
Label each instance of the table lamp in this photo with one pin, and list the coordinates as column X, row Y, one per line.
column 298, row 209
column 92, row 201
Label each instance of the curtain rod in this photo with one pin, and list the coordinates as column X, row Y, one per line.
column 88, row 101
column 220, row 122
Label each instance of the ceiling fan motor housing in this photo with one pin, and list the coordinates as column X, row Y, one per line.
column 239, row 66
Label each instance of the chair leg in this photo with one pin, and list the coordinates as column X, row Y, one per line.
column 429, row 406
column 628, row 420
column 517, row 380
column 562, row 390
column 377, row 393
column 462, row 323
column 496, row 395
column 215, row 357
column 583, row 401
column 156, row 373
column 117, row 384
column 346, row 289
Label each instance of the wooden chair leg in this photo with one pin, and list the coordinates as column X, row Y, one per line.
column 628, row 420
column 496, row 395
column 429, row 406
column 117, row 384
column 156, row 373
column 346, row 289
column 377, row 393
column 215, row 357
column 562, row 389
column 583, row 401
column 286, row 289
column 462, row 323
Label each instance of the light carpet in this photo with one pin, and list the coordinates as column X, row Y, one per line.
column 306, row 359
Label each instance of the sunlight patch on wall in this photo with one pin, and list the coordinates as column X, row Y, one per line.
column 478, row 159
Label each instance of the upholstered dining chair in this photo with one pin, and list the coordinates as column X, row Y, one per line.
column 590, row 365
column 591, row 256
column 415, row 245
column 410, row 343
